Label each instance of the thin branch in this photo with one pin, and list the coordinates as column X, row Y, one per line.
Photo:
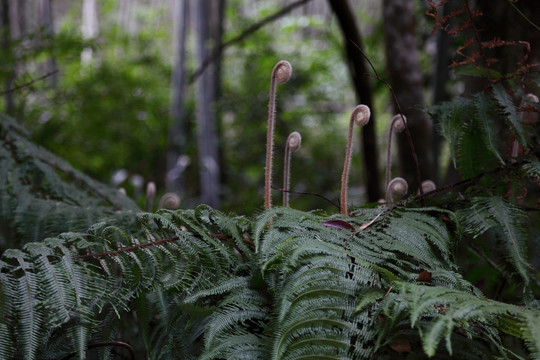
column 18, row 87
column 130, row 248
column 308, row 193
column 216, row 53
column 396, row 101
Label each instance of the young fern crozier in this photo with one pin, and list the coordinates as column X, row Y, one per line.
column 397, row 187
column 169, row 201
column 427, row 186
column 293, row 144
column 360, row 116
column 150, row 195
column 397, row 124
column 280, row 74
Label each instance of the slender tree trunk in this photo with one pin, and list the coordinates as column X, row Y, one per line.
column 47, row 22
column 177, row 159
column 6, row 45
column 207, row 137
column 361, row 81
column 441, row 72
column 89, row 27
column 406, row 79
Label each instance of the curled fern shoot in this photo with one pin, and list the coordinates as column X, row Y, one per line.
column 280, row 74
column 294, row 141
column 398, row 124
column 359, row 116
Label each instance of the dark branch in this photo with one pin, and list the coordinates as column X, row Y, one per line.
column 396, row 101
column 308, row 193
column 18, row 87
column 216, row 53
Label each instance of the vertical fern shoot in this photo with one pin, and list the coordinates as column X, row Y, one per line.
column 397, row 124
column 293, row 144
column 360, row 116
column 281, row 74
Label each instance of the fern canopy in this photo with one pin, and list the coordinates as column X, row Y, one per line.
column 283, row 286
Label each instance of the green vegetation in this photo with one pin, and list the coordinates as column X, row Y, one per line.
column 85, row 273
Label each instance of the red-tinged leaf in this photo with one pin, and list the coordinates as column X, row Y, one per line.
column 338, row 224
column 400, row 345
column 424, row 276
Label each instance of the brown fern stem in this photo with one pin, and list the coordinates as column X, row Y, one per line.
column 281, row 73
column 359, row 116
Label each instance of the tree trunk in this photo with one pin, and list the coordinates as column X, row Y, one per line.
column 89, row 27
column 439, row 80
column 207, row 137
column 406, row 80
column 361, row 82
column 177, row 159
column 6, row 45
column 47, row 23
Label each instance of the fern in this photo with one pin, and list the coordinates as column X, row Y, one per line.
column 509, row 109
column 448, row 310
column 495, row 213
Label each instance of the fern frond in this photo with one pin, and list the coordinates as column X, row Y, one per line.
column 484, row 116
column 509, row 109
column 449, row 310
column 496, row 213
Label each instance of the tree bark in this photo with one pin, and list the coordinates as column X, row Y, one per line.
column 6, row 44
column 177, row 159
column 89, row 27
column 405, row 77
column 207, row 136
column 47, row 22
column 361, row 83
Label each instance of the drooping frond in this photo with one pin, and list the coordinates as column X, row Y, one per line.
column 41, row 195
column 495, row 213
column 509, row 110
column 438, row 312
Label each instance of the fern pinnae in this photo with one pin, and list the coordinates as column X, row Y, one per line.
column 484, row 117
column 509, row 109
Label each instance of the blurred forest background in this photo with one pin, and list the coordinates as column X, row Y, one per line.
column 176, row 91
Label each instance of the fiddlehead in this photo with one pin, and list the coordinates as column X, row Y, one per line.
column 397, row 187
column 281, row 73
column 293, row 144
column 397, row 124
column 360, row 116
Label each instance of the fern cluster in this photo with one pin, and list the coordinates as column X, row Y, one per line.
column 287, row 284
column 42, row 195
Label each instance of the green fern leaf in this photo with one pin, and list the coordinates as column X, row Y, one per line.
column 483, row 106
column 509, row 110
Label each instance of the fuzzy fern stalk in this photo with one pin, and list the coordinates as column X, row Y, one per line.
column 398, row 124
column 150, row 195
column 360, row 116
column 293, row 144
column 397, row 187
column 281, row 74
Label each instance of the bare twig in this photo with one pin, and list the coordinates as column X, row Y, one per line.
column 396, row 101
column 216, row 53
column 18, row 87
column 308, row 193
